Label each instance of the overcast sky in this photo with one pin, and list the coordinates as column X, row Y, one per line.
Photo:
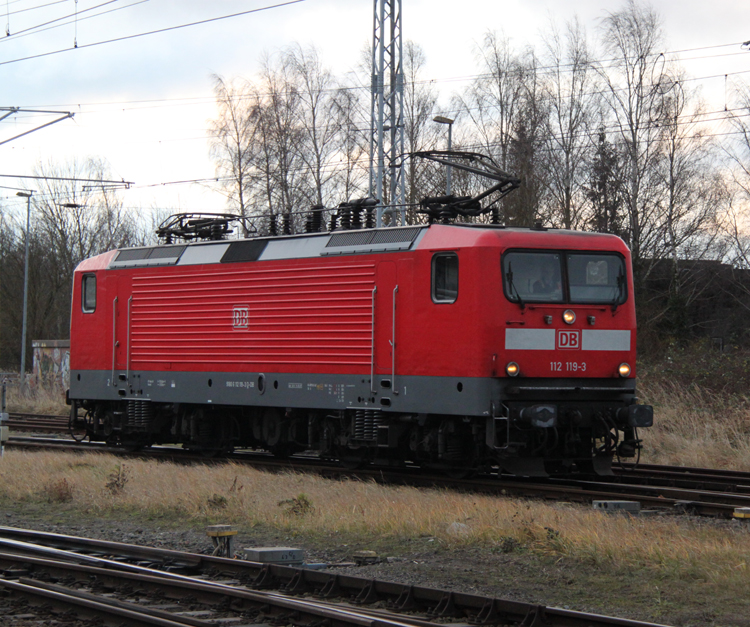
column 143, row 103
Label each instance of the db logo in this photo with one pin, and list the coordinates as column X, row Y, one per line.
column 240, row 316
column 568, row 339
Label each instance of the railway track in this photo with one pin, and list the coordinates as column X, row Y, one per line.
column 685, row 476
column 695, row 490
column 720, row 502
column 42, row 423
column 136, row 585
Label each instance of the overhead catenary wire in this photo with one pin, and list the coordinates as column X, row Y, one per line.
column 39, row 6
column 39, row 26
column 44, row 177
column 37, row 29
column 153, row 32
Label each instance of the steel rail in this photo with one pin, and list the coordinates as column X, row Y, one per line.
column 436, row 603
column 89, row 607
column 213, row 592
column 312, row 611
column 19, row 415
column 688, row 474
column 114, row 603
column 712, row 483
column 687, row 470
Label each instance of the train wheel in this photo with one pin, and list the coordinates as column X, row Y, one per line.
column 81, row 429
column 108, row 425
column 351, row 459
column 457, row 471
column 210, row 453
column 134, row 445
column 281, row 451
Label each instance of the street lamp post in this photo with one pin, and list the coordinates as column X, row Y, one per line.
column 27, row 196
column 443, row 120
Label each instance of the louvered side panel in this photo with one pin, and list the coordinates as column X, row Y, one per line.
column 254, row 318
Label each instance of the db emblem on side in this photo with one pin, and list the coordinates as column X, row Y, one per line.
column 240, row 316
column 568, row 339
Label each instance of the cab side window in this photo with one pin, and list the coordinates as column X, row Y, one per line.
column 88, row 293
column 445, row 278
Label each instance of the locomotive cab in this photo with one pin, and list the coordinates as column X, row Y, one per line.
column 567, row 374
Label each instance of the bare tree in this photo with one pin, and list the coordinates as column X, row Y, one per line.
column 233, row 141
column 573, row 103
column 526, row 155
column 692, row 193
column 632, row 37
column 318, row 116
column 80, row 219
column 71, row 221
column 351, row 173
column 491, row 102
column 505, row 109
column 420, row 132
column 734, row 221
column 11, row 273
column 739, row 149
column 604, row 187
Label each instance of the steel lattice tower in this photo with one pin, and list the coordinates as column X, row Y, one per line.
column 387, row 112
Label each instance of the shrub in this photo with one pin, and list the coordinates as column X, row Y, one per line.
column 118, row 479
column 59, row 491
column 217, row 501
column 301, row 505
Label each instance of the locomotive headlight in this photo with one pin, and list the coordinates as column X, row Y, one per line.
column 624, row 370
column 569, row 316
column 512, row 369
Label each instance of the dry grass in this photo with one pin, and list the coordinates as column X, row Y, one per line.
column 37, row 400
column 296, row 503
column 696, row 427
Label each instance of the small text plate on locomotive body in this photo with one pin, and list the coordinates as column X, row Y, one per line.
column 241, row 384
column 240, row 316
column 333, row 389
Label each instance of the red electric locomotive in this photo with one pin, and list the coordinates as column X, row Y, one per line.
column 451, row 346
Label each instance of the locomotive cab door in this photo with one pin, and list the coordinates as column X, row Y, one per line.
column 119, row 290
column 385, row 309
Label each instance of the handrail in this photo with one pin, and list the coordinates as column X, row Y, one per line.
column 393, row 344
column 114, row 337
column 127, row 355
column 372, row 354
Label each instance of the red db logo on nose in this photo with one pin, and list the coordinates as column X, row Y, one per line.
column 568, row 339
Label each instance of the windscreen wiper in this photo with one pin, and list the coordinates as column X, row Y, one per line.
column 618, row 294
column 512, row 287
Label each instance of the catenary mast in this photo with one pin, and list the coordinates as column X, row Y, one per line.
column 387, row 113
